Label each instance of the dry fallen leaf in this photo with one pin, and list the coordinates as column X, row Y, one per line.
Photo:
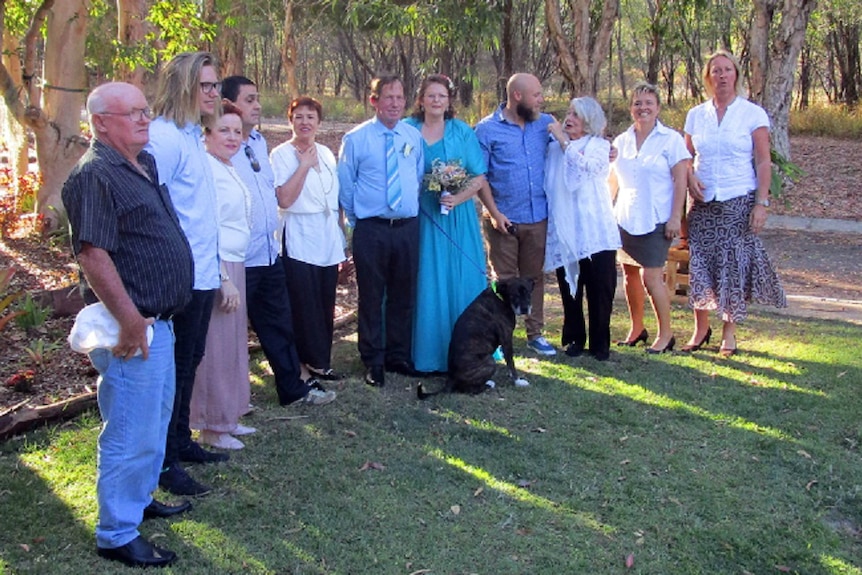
column 842, row 374
column 804, row 454
column 625, row 462
column 630, row 560
column 455, row 509
column 540, row 430
column 525, row 483
column 783, row 568
column 372, row 465
column 349, row 433
column 810, row 484
column 478, row 492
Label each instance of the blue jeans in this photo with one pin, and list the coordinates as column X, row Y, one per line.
column 136, row 398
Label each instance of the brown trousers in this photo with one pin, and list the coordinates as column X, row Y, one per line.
column 521, row 256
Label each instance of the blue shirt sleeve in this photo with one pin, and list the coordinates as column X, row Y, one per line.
column 347, row 179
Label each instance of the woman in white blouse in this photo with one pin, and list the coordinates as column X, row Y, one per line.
column 582, row 233
column 221, row 392
column 648, row 180
column 307, row 189
column 730, row 194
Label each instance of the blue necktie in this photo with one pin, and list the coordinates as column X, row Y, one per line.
column 393, row 180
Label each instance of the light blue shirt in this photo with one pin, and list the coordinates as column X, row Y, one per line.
column 263, row 249
column 183, row 167
column 516, row 165
column 362, row 171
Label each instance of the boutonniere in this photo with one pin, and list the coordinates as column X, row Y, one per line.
column 406, row 150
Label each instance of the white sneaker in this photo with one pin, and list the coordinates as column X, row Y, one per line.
column 319, row 397
column 541, row 346
column 220, row 440
column 243, row 430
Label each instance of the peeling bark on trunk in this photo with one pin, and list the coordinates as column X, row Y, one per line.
column 288, row 53
column 777, row 34
column 132, row 29
column 582, row 58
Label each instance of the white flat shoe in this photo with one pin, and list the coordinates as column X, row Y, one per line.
column 243, row 430
column 220, row 440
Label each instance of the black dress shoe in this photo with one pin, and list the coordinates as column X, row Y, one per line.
column 374, row 376
column 138, row 553
column 404, row 368
column 194, row 453
column 573, row 350
column 175, row 480
column 325, row 374
column 159, row 510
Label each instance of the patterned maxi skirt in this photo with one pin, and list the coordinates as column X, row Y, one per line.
column 728, row 264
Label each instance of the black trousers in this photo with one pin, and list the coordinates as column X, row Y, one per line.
column 312, row 298
column 270, row 316
column 386, row 256
column 190, row 330
column 597, row 278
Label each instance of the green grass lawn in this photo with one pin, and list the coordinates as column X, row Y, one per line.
column 689, row 464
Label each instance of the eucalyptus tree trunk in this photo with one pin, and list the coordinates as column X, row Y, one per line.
column 132, row 29
column 288, row 53
column 581, row 58
column 777, row 34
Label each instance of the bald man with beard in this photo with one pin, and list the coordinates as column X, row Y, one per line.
column 514, row 139
column 137, row 261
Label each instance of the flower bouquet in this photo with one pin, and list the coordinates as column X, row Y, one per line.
column 446, row 178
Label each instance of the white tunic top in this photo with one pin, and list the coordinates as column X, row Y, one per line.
column 580, row 215
column 645, row 196
column 311, row 231
column 724, row 151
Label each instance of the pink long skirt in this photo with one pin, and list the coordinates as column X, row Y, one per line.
column 222, row 390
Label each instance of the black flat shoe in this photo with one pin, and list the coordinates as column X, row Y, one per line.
column 641, row 338
column 325, row 374
column 138, row 553
column 374, row 376
column 690, row 347
column 194, row 453
column 175, row 480
column 667, row 348
column 573, row 350
column 403, row 368
column 159, row 510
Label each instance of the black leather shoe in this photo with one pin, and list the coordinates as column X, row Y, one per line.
column 175, row 480
column 403, row 368
column 159, row 510
column 138, row 553
column 573, row 350
column 374, row 376
column 194, row 453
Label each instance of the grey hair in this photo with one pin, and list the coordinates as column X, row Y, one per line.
column 591, row 114
column 646, row 88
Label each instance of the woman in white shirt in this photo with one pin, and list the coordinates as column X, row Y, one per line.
column 728, row 265
column 221, row 392
column 648, row 181
column 307, row 188
column 582, row 232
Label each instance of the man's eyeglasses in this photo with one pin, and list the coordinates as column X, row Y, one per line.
column 207, row 87
column 135, row 114
column 249, row 153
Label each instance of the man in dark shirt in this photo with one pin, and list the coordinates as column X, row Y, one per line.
column 137, row 261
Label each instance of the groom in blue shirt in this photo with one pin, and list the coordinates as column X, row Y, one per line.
column 380, row 170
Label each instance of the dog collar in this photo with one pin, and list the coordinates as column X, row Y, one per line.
column 494, row 289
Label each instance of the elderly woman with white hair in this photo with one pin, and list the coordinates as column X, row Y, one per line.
column 648, row 180
column 582, row 232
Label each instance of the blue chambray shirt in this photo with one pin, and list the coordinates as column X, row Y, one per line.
column 362, row 171
column 184, row 168
column 516, row 165
column 264, row 246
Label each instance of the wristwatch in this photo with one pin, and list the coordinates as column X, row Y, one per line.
column 764, row 203
column 224, row 277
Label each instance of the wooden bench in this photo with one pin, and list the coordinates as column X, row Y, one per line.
column 676, row 271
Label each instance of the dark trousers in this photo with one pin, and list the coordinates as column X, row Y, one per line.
column 598, row 278
column 270, row 317
column 190, row 329
column 387, row 261
column 312, row 298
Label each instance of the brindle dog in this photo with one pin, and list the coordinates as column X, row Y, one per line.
column 486, row 324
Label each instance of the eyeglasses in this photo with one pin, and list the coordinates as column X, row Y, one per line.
column 249, row 153
column 207, row 87
column 135, row 114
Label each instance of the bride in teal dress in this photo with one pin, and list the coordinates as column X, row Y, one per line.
column 451, row 253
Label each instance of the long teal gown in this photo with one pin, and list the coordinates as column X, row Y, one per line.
column 451, row 252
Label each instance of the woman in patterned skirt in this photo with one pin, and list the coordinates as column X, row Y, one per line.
column 730, row 194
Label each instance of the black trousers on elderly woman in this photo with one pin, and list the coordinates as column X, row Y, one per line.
column 597, row 280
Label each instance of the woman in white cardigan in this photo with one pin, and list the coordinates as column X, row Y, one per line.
column 582, row 232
